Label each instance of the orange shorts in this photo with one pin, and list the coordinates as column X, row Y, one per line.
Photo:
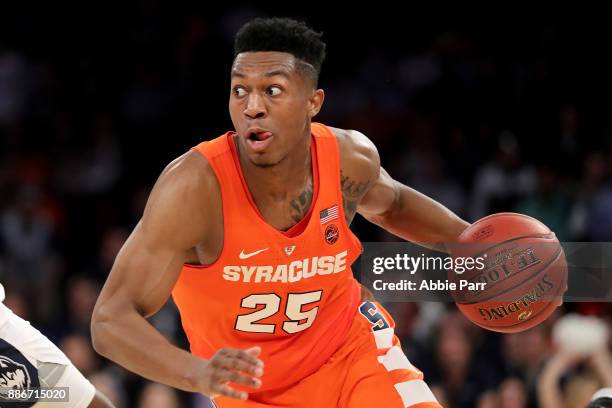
column 368, row 370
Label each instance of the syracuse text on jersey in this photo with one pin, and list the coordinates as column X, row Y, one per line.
column 291, row 272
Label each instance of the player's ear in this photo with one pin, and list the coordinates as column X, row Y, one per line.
column 315, row 102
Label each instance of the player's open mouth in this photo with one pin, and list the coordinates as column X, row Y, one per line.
column 258, row 141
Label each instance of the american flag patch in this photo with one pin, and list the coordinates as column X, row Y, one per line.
column 329, row 214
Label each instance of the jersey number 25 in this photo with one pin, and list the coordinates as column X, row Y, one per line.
column 299, row 320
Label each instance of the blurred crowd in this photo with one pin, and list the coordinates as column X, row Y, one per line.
column 484, row 118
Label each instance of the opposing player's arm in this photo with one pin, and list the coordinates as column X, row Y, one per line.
column 369, row 190
column 141, row 280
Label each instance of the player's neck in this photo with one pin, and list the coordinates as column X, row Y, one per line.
column 282, row 180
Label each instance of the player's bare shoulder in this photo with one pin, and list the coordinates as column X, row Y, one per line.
column 190, row 172
column 186, row 198
column 359, row 167
column 189, row 180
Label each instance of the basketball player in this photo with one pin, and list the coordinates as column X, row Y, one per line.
column 250, row 233
column 30, row 361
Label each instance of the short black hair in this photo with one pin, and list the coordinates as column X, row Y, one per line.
column 282, row 35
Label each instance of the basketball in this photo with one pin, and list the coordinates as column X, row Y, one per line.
column 523, row 269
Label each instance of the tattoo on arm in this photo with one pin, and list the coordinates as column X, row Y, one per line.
column 352, row 192
column 301, row 204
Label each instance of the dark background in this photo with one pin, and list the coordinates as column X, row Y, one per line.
column 480, row 113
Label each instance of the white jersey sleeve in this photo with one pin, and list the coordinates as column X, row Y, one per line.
column 51, row 366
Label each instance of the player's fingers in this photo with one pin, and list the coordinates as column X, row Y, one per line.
column 254, row 351
column 235, row 354
column 222, row 389
column 251, row 355
column 223, row 376
column 237, row 364
column 238, row 378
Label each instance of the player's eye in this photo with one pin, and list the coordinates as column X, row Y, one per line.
column 239, row 91
column 274, row 90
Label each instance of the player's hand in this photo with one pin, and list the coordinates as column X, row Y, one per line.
column 231, row 365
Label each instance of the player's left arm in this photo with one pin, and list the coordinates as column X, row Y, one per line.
column 369, row 190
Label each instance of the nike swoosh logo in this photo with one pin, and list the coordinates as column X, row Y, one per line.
column 250, row 254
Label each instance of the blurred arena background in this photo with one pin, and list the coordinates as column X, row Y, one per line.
column 482, row 115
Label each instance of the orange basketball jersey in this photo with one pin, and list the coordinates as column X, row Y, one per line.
column 293, row 292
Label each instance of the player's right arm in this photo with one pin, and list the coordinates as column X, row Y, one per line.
column 176, row 218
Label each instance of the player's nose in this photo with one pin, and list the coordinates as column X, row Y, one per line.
column 255, row 108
